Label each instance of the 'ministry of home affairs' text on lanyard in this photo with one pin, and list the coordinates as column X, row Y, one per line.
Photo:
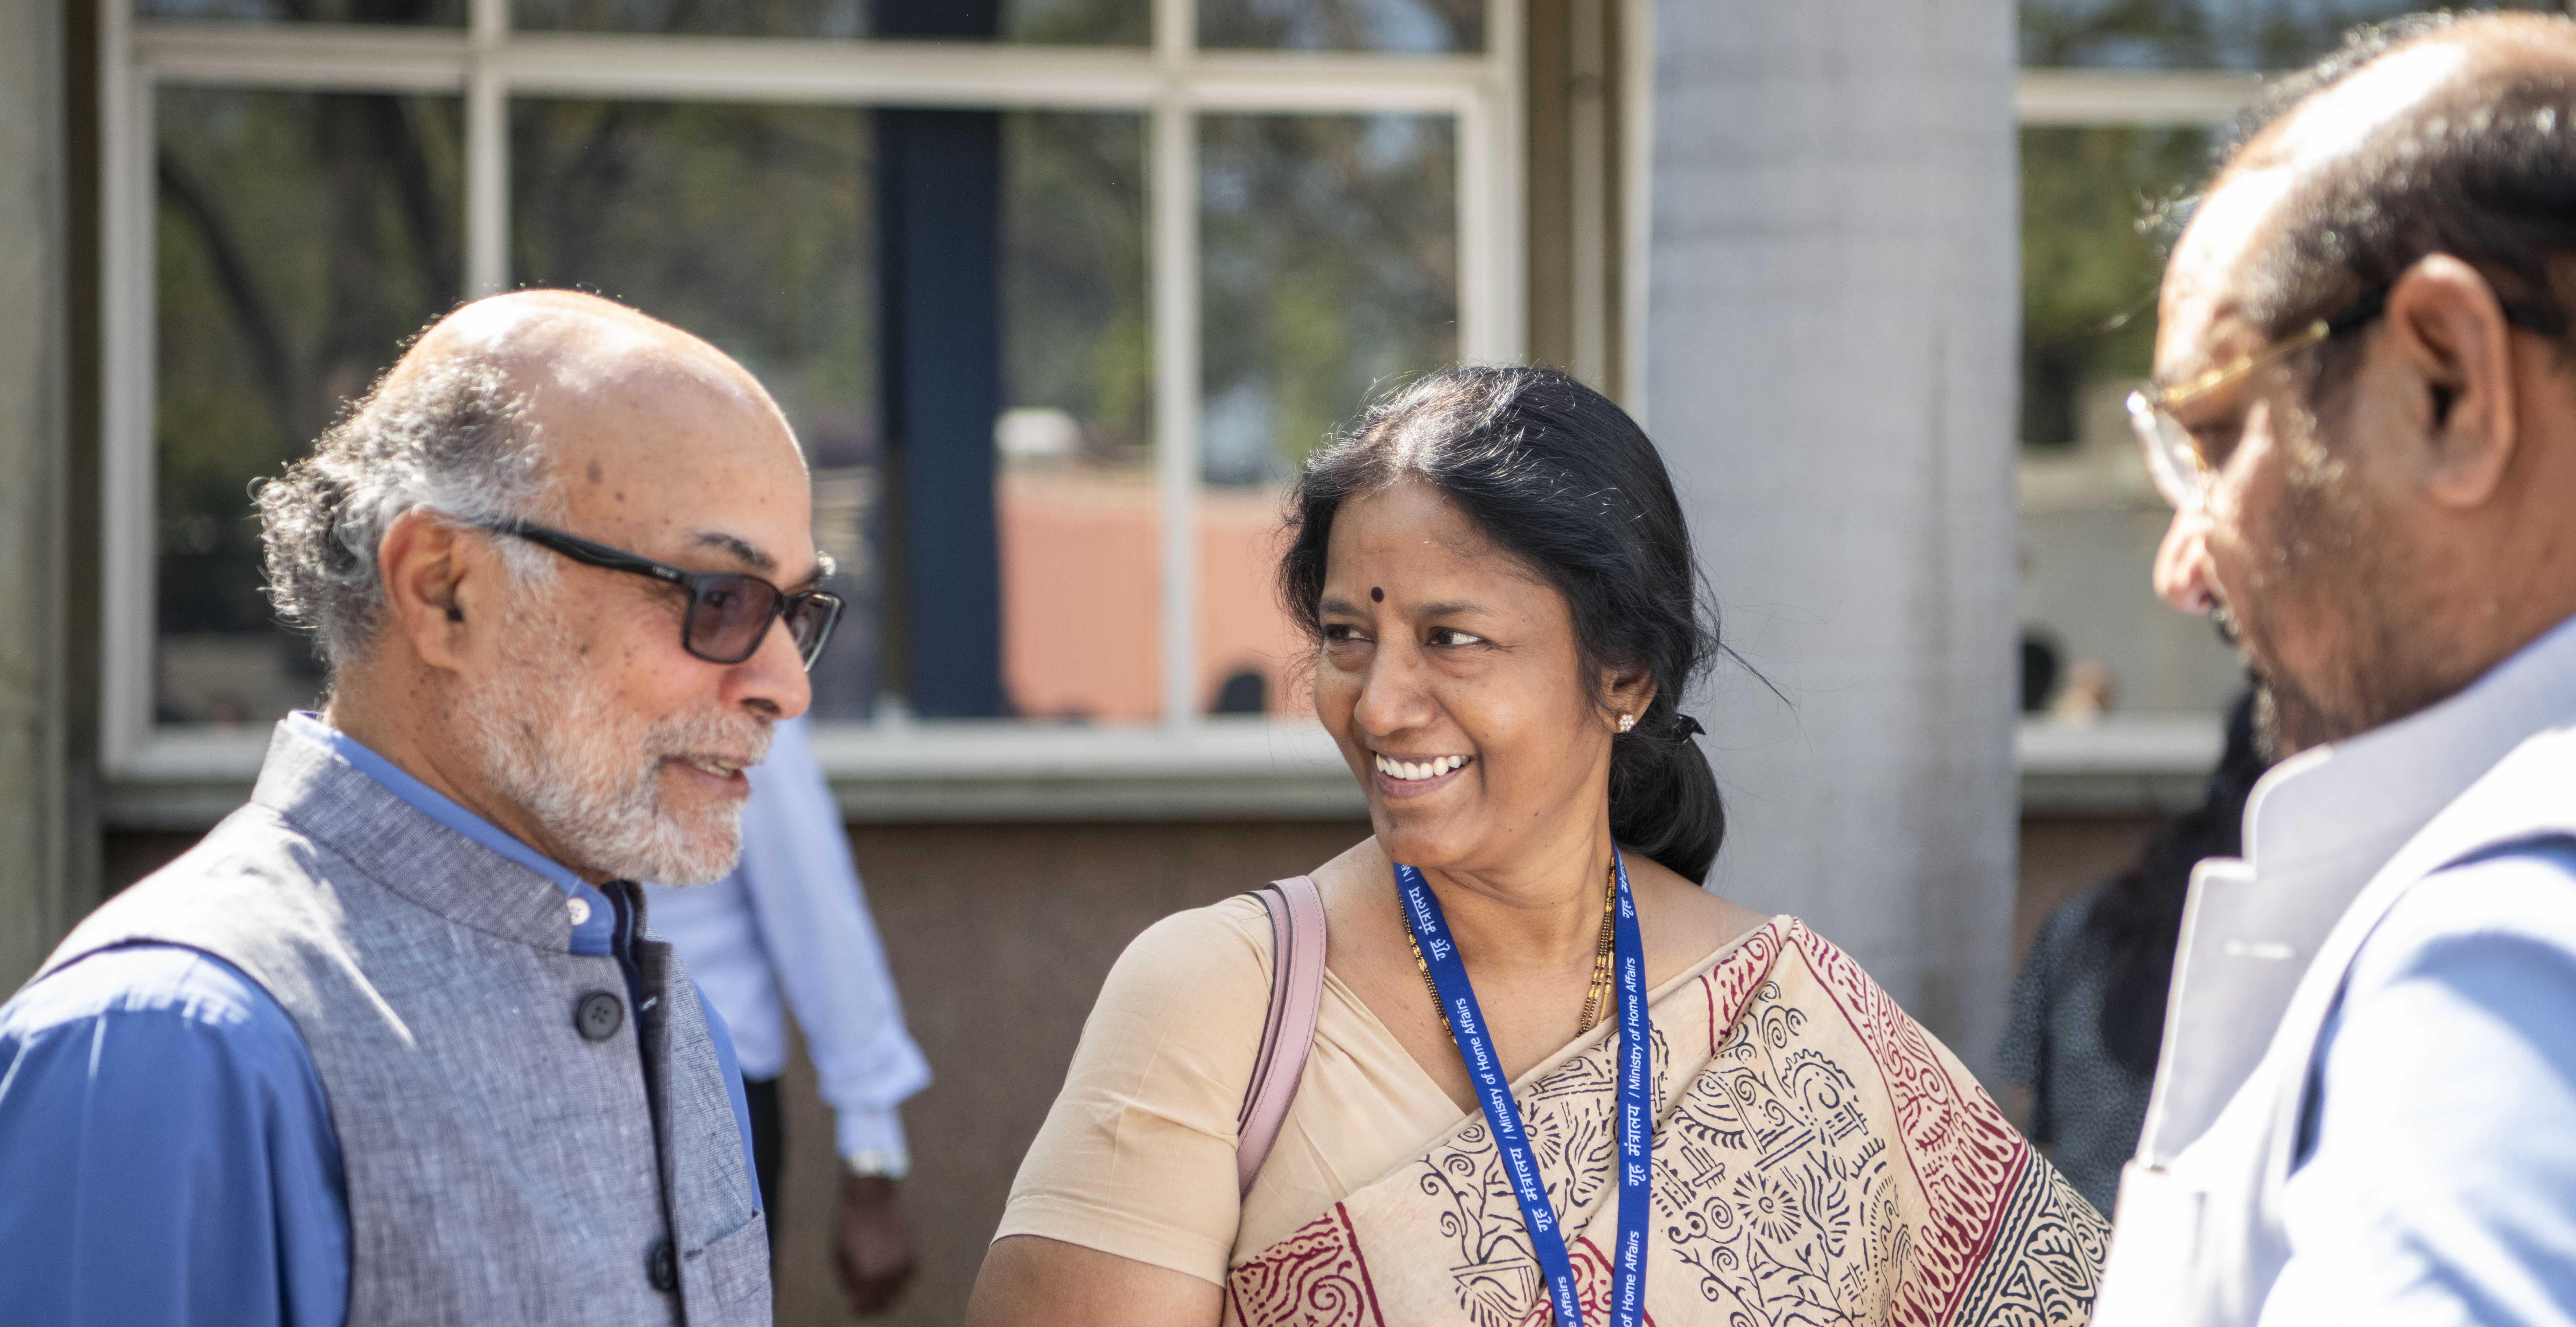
column 1503, row 1115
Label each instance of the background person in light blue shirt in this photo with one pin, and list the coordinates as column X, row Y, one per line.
column 790, row 929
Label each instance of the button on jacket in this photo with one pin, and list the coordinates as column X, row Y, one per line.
column 330, row 1065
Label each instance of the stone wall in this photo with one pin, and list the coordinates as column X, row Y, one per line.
column 1830, row 369
column 34, row 863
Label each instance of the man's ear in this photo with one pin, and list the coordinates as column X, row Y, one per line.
column 2449, row 330
column 435, row 579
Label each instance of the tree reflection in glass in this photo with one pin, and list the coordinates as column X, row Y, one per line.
column 2092, row 254
column 299, row 239
column 1329, row 269
column 2205, row 34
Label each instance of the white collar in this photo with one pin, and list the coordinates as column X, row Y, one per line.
column 2368, row 794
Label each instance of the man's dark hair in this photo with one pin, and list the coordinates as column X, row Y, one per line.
column 2484, row 169
column 1563, row 482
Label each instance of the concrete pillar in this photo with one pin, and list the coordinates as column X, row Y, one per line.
column 35, row 904
column 1831, row 318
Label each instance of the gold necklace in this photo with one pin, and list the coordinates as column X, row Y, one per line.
column 1596, row 1002
column 1596, row 998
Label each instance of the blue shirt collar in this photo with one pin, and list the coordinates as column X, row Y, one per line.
column 594, row 917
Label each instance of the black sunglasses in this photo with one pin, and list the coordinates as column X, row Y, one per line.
column 729, row 611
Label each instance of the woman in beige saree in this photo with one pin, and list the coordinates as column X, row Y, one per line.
column 1499, row 583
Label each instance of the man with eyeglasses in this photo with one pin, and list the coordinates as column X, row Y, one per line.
column 391, row 1044
column 2365, row 417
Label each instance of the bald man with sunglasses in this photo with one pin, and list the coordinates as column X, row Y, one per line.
column 2365, row 417
column 392, row 1043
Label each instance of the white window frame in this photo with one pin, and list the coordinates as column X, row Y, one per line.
column 1270, row 767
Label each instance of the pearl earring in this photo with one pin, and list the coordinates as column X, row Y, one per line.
column 1627, row 721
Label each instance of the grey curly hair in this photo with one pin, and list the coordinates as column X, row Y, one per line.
column 448, row 435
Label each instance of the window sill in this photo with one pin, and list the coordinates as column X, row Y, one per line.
column 2121, row 765
column 1223, row 769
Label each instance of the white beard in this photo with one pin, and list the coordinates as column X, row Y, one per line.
column 553, row 742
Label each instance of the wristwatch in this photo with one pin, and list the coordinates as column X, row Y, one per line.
column 892, row 1163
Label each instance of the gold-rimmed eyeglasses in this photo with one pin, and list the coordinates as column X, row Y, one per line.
column 2174, row 457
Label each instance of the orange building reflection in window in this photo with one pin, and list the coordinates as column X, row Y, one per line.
column 1080, row 578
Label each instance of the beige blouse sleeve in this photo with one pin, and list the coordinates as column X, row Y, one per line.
column 1137, row 1156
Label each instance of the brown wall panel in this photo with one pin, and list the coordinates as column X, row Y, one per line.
column 999, row 936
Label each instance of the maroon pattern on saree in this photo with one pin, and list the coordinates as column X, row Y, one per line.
column 1819, row 1158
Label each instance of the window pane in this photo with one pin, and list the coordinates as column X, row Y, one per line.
column 761, row 229
column 2228, row 34
column 1075, row 494
column 749, row 226
column 2089, row 270
column 1407, row 26
column 448, row 13
column 1069, row 22
column 299, row 237
column 1330, row 273
column 2090, row 519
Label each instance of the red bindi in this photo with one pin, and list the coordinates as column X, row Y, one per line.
column 1376, row 595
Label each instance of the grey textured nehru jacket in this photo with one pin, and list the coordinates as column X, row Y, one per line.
column 502, row 1167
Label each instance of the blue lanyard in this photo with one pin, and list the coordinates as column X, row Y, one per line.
column 1503, row 1115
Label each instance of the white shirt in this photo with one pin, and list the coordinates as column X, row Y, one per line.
column 792, row 920
column 2352, row 1121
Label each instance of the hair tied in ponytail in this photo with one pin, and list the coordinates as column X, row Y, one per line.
column 1685, row 726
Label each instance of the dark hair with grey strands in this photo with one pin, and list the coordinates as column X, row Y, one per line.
column 2484, row 170
column 448, row 436
column 1562, row 481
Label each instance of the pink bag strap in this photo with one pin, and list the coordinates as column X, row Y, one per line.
column 1288, row 1035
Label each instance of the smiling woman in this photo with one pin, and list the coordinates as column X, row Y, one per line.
column 1620, row 1095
